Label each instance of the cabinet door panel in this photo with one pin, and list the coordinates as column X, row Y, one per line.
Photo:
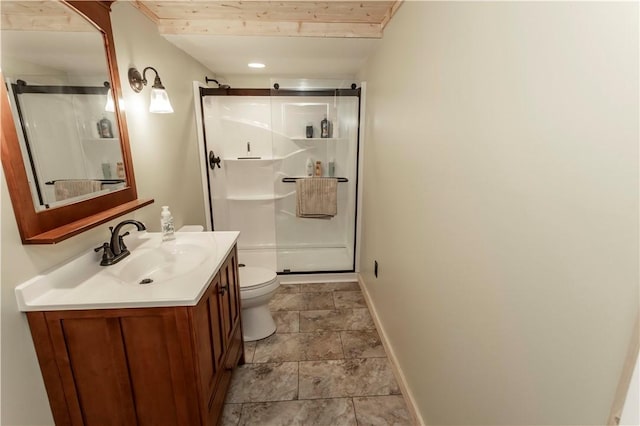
column 157, row 370
column 111, row 402
column 234, row 288
column 209, row 339
column 230, row 299
column 225, row 301
column 63, row 413
column 217, row 322
column 216, row 404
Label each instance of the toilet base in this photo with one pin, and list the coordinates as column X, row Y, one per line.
column 257, row 323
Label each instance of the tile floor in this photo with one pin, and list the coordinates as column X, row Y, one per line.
column 324, row 366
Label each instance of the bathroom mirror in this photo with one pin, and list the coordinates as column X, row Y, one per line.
column 65, row 149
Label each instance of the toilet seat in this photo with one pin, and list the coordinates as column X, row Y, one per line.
column 253, row 278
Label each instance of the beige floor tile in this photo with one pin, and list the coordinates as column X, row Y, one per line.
column 382, row 411
column 319, row 412
column 249, row 350
column 231, row 414
column 299, row 347
column 263, row 383
column 335, row 320
column 362, row 344
column 348, row 299
column 344, row 378
column 289, row 288
column 286, row 321
column 315, row 287
column 297, row 376
column 301, row 301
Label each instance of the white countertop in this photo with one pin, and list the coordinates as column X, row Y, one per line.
column 83, row 284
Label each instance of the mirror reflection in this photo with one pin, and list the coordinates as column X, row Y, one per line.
column 58, row 84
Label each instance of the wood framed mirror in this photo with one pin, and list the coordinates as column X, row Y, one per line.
column 60, row 186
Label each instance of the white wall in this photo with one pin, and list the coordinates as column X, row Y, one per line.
column 164, row 149
column 501, row 202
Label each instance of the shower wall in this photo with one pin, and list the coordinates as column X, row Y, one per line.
column 261, row 140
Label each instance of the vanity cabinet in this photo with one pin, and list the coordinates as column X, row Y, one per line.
column 143, row 366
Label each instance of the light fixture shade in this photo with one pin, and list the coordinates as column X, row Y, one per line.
column 110, row 106
column 160, row 103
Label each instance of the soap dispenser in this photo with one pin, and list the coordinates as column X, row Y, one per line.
column 166, row 224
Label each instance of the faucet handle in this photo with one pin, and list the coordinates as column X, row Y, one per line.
column 121, row 241
column 104, row 246
column 107, row 254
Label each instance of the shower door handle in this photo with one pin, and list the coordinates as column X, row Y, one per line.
column 213, row 160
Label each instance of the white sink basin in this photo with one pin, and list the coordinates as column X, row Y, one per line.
column 180, row 271
column 170, row 260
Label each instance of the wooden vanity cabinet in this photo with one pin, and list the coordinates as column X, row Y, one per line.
column 143, row 366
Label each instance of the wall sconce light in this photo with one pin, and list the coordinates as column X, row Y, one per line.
column 159, row 98
column 109, row 106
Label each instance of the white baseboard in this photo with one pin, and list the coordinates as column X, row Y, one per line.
column 317, row 278
column 402, row 382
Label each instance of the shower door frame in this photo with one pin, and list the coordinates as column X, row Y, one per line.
column 357, row 92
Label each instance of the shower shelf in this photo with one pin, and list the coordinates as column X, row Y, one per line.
column 254, row 160
column 267, row 159
column 266, row 197
column 317, row 139
column 293, row 179
column 94, row 140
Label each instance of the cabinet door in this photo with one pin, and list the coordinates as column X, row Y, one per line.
column 109, row 361
column 96, row 381
column 234, row 287
column 160, row 365
column 230, row 295
column 209, row 339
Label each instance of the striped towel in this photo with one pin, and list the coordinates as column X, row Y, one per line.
column 317, row 197
column 75, row 187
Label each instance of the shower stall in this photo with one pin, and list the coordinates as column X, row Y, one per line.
column 257, row 143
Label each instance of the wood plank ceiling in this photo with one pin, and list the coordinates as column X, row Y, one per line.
column 348, row 19
column 45, row 15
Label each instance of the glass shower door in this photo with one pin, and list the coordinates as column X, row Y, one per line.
column 315, row 131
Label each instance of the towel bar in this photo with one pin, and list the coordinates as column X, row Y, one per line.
column 293, row 179
column 103, row 181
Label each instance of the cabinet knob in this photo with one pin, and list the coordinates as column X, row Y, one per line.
column 223, row 289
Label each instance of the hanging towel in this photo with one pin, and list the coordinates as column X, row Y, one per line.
column 75, row 187
column 317, row 197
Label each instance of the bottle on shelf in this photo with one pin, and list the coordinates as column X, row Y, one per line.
column 332, row 168
column 318, row 168
column 309, row 167
column 106, row 169
column 324, row 128
column 309, row 131
column 105, row 130
column 166, row 224
column 120, row 170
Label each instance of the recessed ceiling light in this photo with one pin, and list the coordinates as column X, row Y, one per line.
column 256, row 65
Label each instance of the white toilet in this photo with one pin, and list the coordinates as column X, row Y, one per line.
column 257, row 287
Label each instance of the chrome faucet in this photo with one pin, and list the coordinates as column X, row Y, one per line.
column 115, row 250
